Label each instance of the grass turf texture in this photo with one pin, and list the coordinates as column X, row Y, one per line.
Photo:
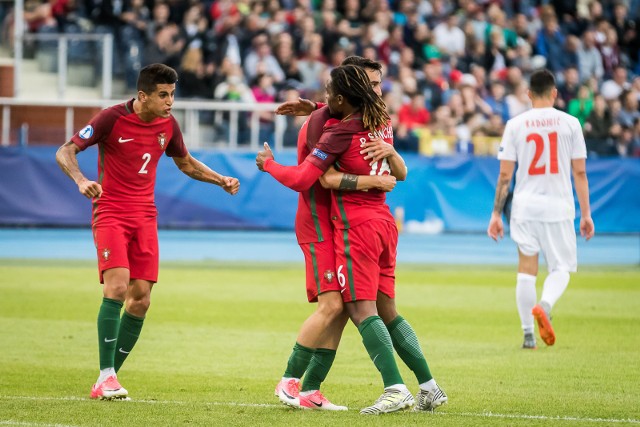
column 217, row 338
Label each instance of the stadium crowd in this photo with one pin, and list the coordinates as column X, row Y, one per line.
column 454, row 71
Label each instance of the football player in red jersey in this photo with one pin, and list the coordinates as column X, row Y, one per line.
column 131, row 138
column 319, row 336
column 365, row 235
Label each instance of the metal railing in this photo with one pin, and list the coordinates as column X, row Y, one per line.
column 186, row 112
column 62, row 40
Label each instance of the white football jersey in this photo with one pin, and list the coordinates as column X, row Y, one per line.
column 543, row 141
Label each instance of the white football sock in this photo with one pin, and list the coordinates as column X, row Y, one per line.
column 554, row 286
column 526, row 299
column 105, row 373
column 430, row 385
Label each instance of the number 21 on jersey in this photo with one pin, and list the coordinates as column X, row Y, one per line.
column 535, row 168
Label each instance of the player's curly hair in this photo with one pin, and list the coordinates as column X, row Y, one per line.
column 353, row 83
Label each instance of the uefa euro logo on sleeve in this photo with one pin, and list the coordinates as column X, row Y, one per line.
column 319, row 154
column 86, row 132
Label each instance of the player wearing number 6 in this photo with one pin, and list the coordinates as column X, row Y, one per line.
column 131, row 138
column 365, row 235
column 548, row 147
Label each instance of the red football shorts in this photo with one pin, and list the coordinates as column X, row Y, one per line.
column 366, row 260
column 130, row 243
column 320, row 266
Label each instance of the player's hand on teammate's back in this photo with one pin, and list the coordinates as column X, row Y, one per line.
column 230, row 185
column 301, row 107
column 496, row 228
column 377, row 150
column 587, row 229
column 90, row 189
column 387, row 182
column 263, row 156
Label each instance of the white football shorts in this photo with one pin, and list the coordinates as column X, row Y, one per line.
column 556, row 241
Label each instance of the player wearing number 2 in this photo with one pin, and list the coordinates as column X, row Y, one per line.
column 131, row 138
column 548, row 147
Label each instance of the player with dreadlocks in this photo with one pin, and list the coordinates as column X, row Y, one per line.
column 365, row 235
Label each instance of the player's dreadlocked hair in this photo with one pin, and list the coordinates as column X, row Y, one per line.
column 353, row 83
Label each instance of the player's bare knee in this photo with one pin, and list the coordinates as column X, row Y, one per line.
column 139, row 306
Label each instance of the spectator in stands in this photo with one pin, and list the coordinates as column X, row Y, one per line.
column 412, row 116
column 570, row 56
column 597, row 128
column 431, row 84
column 568, row 89
column 589, row 58
column 610, row 52
column 550, row 43
column 519, row 101
column 166, row 47
column 286, row 57
column 613, row 87
column 196, row 77
column 261, row 58
column 448, row 36
column 580, row 107
column 627, row 32
column 312, row 64
column 629, row 112
column 264, row 91
column 497, row 101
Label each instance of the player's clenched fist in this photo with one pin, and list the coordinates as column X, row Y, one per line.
column 387, row 182
column 230, row 185
column 90, row 189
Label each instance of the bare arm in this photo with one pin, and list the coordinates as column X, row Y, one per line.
column 301, row 107
column 334, row 180
column 378, row 150
column 197, row 170
column 579, row 169
column 496, row 228
column 66, row 156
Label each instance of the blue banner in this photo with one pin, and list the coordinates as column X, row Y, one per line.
column 452, row 194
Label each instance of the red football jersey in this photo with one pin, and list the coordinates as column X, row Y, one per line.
column 341, row 143
column 129, row 151
column 313, row 218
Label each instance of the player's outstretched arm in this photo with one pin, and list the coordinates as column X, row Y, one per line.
column 67, row 159
column 197, row 170
column 579, row 169
column 301, row 107
column 334, row 180
column 297, row 178
column 496, row 227
column 377, row 150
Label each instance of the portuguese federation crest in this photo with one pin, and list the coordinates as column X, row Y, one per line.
column 162, row 139
column 105, row 254
column 329, row 275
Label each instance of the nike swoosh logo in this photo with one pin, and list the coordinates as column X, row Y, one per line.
column 319, row 405
column 111, row 340
column 122, row 351
column 122, row 141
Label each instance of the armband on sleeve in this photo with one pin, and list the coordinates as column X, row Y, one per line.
column 348, row 182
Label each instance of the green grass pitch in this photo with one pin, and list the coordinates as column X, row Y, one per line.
column 217, row 338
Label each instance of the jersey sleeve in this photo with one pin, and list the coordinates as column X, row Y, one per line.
column 176, row 146
column 334, row 141
column 579, row 149
column 97, row 130
column 507, row 150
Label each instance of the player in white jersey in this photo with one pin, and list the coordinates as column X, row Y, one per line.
column 548, row 146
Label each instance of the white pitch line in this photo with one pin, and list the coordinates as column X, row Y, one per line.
column 269, row 405
column 28, row 424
